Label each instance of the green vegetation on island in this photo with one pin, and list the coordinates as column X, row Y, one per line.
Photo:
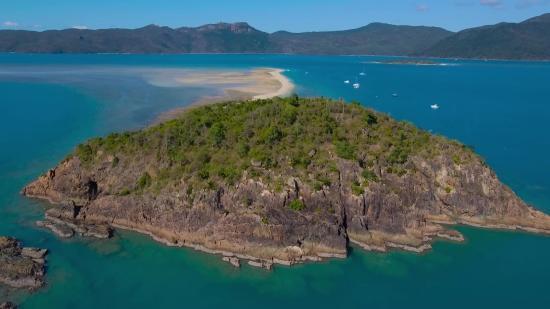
column 528, row 40
column 214, row 145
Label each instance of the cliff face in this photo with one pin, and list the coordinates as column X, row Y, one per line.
column 285, row 213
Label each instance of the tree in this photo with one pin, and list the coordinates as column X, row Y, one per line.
column 293, row 99
column 271, row 134
column 217, row 134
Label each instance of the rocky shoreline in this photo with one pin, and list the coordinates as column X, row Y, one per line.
column 60, row 220
column 232, row 257
column 21, row 267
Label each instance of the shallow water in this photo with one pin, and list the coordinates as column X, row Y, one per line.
column 49, row 103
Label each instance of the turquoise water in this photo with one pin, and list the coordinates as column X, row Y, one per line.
column 49, row 103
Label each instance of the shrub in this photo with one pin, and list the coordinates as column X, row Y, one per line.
column 217, row 134
column 144, row 181
column 399, row 155
column 344, row 150
column 369, row 175
column 124, row 192
column 296, row 205
column 456, row 159
column 326, row 182
column 357, row 190
column 84, row 153
column 401, row 172
column 265, row 221
column 448, row 190
column 204, row 174
column 317, row 187
column 115, row 162
column 271, row 134
column 371, row 119
column 243, row 149
column 294, row 99
column 331, row 210
column 212, row 185
column 389, row 169
column 289, row 116
column 203, row 156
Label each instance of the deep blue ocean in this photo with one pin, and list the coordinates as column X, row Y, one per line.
column 50, row 103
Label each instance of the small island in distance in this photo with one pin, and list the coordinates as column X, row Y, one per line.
column 410, row 62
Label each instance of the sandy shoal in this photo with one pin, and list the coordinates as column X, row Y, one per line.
column 257, row 84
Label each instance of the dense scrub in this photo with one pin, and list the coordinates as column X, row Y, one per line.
column 215, row 144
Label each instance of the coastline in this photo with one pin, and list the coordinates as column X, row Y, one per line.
column 171, row 239
column 286, row 86
column 262, row 83
column 256, row 256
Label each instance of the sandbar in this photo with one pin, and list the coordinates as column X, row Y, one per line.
column 257, row 84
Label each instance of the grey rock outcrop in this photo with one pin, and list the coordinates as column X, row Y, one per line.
column 20, row 267
column 7, row 305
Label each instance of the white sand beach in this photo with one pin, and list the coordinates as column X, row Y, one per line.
column 258, row 84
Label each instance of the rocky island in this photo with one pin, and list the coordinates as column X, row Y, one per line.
column 282, row 181
column 409, row 62
column 20, row 267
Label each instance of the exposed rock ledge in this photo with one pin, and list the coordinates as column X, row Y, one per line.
column 67, row 229
column 20, row 267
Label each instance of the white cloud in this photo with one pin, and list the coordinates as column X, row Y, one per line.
column 460, row 3
column 422, row 7
column 529, row 3
column 80, row 27
column 10, row 24
column 495, row 4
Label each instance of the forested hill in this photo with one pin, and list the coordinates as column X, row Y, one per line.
column 528, row 40
column 376, row 38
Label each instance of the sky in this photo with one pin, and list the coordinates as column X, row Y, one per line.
column 268, row 16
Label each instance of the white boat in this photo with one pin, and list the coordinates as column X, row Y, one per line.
column 356, row 85
column 435, row 106
column 395, row 95
column 362, row 73
column 346, row 81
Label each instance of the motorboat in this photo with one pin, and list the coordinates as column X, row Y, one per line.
column 435, row 106
column 346, row 81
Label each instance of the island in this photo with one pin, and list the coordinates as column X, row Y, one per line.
column 410, row 62
column 283, row 181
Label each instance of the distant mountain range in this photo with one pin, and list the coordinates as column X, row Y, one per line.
column 380, row 39
column 529, row 40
